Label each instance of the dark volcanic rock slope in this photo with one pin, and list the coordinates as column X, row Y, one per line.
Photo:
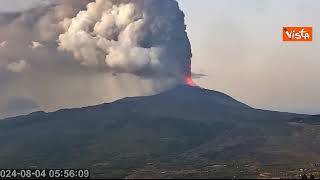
column 183, row 132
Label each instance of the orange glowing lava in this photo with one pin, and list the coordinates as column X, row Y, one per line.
column 189, row 81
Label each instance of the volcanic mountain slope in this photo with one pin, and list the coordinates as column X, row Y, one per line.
column 183, row 132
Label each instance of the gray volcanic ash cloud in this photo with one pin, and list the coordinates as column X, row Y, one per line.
column 98, row 50
column 144, row 37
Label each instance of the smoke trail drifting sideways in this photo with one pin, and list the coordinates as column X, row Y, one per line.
column 144, row 37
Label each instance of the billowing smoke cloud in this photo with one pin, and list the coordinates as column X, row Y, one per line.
column 143, row 37
column 146, row 38
column 23, row 35
column 108, row 49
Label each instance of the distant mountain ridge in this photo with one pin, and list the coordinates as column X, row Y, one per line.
column 183, row 132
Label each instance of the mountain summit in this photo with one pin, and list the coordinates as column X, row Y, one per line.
column 180, row 133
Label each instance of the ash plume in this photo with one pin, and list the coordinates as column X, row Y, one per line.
column 107, row 49
column 144, row 37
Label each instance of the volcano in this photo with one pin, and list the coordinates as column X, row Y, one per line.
column 185, row 132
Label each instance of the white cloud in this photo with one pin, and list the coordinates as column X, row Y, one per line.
column 130, row 37
column 17, row 67
column 3, row 44
column 36, row 45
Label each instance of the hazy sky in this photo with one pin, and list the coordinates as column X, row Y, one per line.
column 237, row 44
column 16, row 5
